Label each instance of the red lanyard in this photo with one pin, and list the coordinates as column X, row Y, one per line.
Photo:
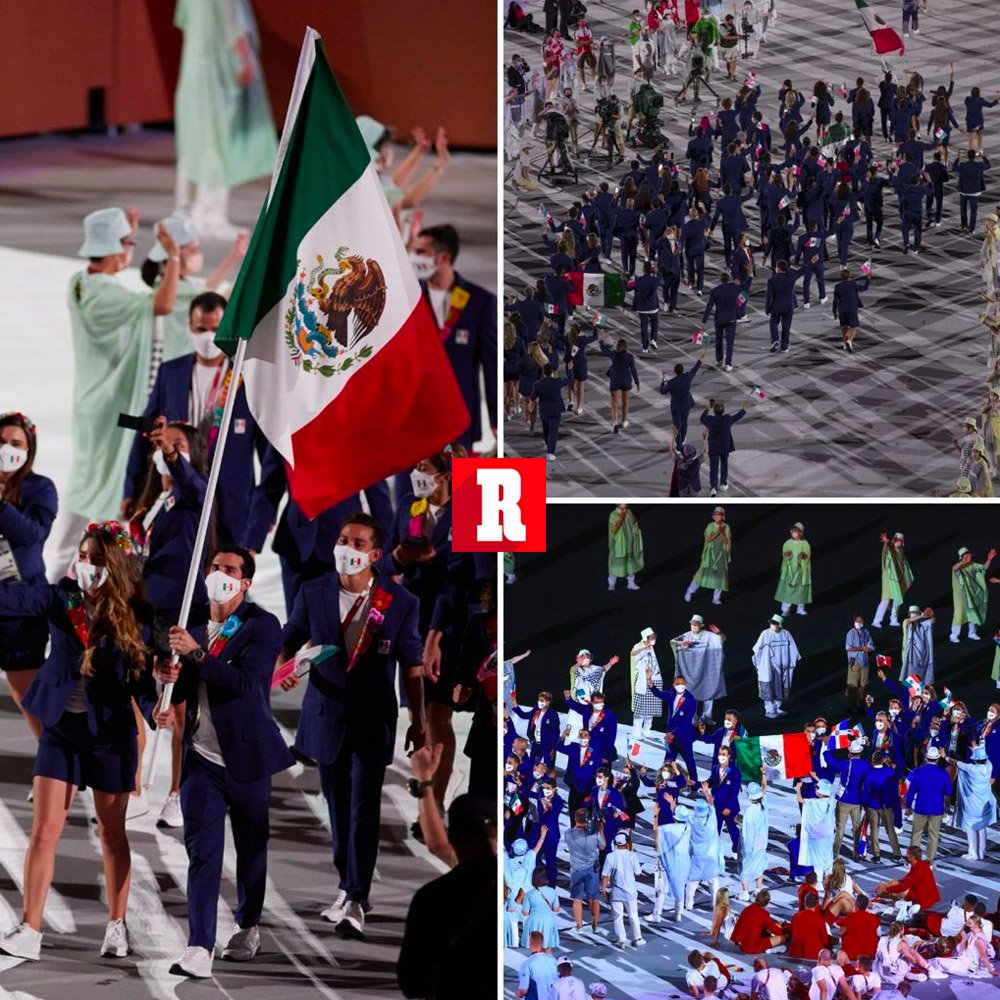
column 355, row 607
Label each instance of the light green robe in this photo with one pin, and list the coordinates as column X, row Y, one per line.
column 225, row 133
column 625, row 554
column 714, row 569
column 112, row 349
column 795, row 581
column 968, row 595
column 897, row 577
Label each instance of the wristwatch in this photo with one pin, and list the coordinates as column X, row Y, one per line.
column 198, row 655
column 415, row 788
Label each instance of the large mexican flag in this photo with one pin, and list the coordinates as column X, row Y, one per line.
column 787, row 754
column 885, row 38
column 345, row 371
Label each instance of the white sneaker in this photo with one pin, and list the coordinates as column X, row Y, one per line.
column 823, row 300
column 807, row 305
column 744, row 896
column 551, row 457
column 973, row 635
column 917, row 977
column 728, row 368
column 631, row 586
column 243, row 945
column 31, row 795
column 116, row 940
column 654, row 345
column 352, row 923
column 22, row 942
column 637, row 942
column 195, row 962
column 725, row 486
column 624, row 424
column 933, row 973
column 138, row 805
column 335, row 910
column 653, row 918
column 171, row 815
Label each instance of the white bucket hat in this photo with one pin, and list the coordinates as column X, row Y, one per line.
column 180, row 228
column 103, row 232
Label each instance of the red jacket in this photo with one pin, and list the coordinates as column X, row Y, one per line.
column 860, row 935
column 808, row 935
column 753, row 930
column 692, row 11
column 804, row 891
column 919, row 885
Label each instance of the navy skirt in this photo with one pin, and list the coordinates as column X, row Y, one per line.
column 69, row 752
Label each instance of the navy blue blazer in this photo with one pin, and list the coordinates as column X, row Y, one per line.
column 238, row 684
column 472, row 347
column 720, row 433
column 722, row 299
column 548, row 392
column 549, row 730
column 726, row 791
column 646, row 290
column 361, row 703
column 111, row 687
column 296, row 537
column 170, row 398
column 679, row 389
column 26, row 525
column 171, row 541
column 780, row 296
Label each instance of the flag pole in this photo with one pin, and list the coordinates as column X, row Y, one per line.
column 199, row 541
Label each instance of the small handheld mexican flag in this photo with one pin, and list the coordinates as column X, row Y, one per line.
column 600, row 291
column 883, row 661
column 756, row 390
column 698, row 338
column 946, row 701
column 785, row 202
column 788, row 754
column 884, row 38
column 516, row 805
column 866, row 267
column 914, row 685
column 939, row 133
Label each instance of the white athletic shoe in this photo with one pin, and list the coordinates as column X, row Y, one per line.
column 653, row 918
column 335, row 911
column 352, row 923
column 195, row 962
column 933, row 973
column 728, row 368
column 138, row 805
column 807, row 305
column 171, row 815
column 624, row 424
column 744, row 896
column 243, row 945
column 22, row 942
column 551, row 457
column 116, row 940
column 637, row 942
column 917, row 977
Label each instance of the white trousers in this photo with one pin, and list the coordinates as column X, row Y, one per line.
column 618, row 909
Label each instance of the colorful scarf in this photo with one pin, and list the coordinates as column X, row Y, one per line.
column 219, row 399
column 230, row 627
column 77, row 615
column 381, row 602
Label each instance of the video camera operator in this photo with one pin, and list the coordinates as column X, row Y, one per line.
column 609, row 126
column 645, row 110
column 557, row 134
column 697, row 70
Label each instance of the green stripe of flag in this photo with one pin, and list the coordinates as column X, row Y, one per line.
column 324, row 157
column 748, row 758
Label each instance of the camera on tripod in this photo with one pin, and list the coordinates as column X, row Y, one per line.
column 608, row 109
column 556, row 126
column 647, row 105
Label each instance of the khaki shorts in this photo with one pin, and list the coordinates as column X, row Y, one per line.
column 857, row 675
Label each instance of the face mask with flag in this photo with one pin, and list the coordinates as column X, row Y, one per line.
column 332, row 316
column 787, row 754
column 883, row 661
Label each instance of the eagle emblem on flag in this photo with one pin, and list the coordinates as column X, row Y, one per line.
column 771, row 757
column 325, row 321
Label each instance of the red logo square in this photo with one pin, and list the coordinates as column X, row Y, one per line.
column 498, row 504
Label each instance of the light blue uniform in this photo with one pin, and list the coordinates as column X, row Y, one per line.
column 976, row 808
column 706, row 846
column 517, row 872
column 675, row 853
column 539, row 916
column 537, row 974
column 819, row 817
column 753, row 842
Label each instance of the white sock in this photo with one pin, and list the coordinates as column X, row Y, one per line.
column 981, row 843
column 880, row 613
column 630, row 580
column 692, row 888
column 973, row 634
column 690, row 592
column 971, row 836
column 893, row 607
column 785, row 608
column 801, row 609
column 955, row 629
column 612, row 580
column 717, row 595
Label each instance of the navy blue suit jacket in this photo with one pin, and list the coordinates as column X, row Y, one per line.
column 296, row 537
column 720, row 434
column 26, row 526
column 472, row 347
column 111, row 687
column 170, row 398
column 238, row 684
column 360, row 704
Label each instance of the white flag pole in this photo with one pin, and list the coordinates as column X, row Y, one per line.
column 195, row 569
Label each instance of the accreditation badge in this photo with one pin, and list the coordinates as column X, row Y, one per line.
column 384, row 646
column 8, row 567
column 462, row 337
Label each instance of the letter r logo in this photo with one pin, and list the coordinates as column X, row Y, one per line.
column 498, row 505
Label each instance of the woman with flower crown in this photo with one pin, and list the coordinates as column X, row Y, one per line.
column 27, row 509
column 419, row 549
column 99, row 660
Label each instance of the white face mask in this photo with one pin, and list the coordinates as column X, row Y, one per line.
column 879, row 724
column 161, row 464
column 679, row 689
column 859, row 625
column 423, row 484
column 205, row 346
column 820, row 730
column 934, row 732
column 90, row 577
column 539, row 775
column 423, row 265
column 508, row 768
column 584, row 740
column 956, row 716
column 221, row 588
column 723, row 759
column 548, row 792
column 11, row 458
column 543, row 705
column 601, row 782
column 664, row 774
column 598, row 706
column 894, row 712
column 991, row 715
column 349, row 561
column 728, row 723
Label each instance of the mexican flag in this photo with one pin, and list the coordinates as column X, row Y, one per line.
column 601, row 291
column 788, row 755
column 344, row 371
column 884, row 38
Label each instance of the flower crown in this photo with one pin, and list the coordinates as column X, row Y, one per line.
column 118, row 532
column 26, row 422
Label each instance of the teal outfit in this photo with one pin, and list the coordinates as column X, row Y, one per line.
column 538, row 916
column 968, row 592
column 225, row 133
column 795, row 581
column 713, row 572
column 625, row 551
column 112, row 330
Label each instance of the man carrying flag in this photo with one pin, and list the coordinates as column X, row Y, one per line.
column 885, row 38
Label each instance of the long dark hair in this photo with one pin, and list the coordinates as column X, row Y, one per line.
column 12, row 490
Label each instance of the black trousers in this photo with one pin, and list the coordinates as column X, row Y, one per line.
column 718, row 470
column 696, row 271
column 877, row 217
column 969, row 205
column 725, row 333
column 649, row 324
column 671, row 283
column 781, row 322
column 934, row 203
column 550, row 431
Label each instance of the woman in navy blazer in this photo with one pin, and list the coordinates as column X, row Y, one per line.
column 232, row 747
column 164, row 527
column 622, row 374
column 27, row 509
column 98, row 662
